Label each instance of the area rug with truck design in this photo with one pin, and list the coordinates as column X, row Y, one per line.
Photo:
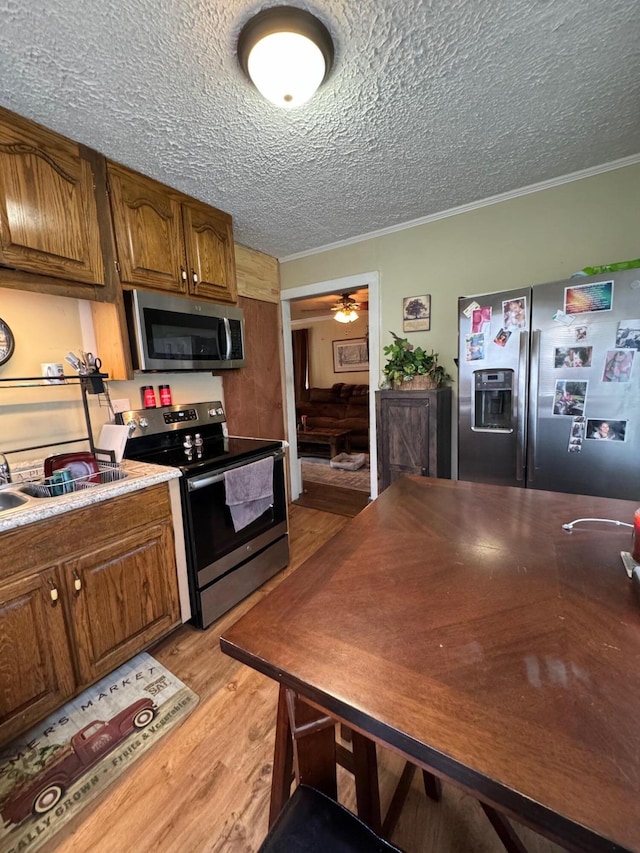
column 51, row 772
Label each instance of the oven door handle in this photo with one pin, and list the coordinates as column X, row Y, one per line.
column 205, row 480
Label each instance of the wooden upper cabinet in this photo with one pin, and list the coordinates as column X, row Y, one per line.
column 168, row 241
column 208, row 237
column 148, row 231
column 48, row 214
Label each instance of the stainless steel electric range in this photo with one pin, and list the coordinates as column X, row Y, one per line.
column 223, row 565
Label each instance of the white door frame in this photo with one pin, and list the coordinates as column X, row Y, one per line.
column 337, row 285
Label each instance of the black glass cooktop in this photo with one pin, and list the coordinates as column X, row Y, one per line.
column 214, row 453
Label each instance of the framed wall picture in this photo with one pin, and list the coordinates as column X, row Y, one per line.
column 416, row 314
column 350, row 356
column 7, row 342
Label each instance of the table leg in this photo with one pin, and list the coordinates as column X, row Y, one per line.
column 365, row 771
column 282, row 760
column 314, row 746
column 505, row 832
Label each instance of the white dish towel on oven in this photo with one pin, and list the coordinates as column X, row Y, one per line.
column 249, row 491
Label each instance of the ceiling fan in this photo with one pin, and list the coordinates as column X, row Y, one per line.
column 346, row 309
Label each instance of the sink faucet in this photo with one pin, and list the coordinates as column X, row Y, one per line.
column 5, row 471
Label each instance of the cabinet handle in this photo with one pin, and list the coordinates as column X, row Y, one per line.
column 184, row 273
column 53, row 591
column 194, row 276
column 77, row 583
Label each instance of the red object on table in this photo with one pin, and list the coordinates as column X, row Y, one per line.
column 636, row 536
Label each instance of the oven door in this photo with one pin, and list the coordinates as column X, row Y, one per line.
column 214, row 545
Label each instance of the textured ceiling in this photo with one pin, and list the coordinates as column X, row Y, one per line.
column 432, row 103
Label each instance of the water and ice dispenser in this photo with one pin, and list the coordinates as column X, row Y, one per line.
column 493, row 400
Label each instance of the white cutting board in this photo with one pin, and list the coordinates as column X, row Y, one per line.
column 112, row 437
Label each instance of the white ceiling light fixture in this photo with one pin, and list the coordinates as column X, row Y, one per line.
column 287, row 53
column 346, row 310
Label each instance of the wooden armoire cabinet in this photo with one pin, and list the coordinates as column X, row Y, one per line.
column 414, row 434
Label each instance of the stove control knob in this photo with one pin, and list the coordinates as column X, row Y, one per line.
column 133, row 425
column 212, row 413
column 198, row 440
column 220, row 411
column 188, row 442
column 144, row 423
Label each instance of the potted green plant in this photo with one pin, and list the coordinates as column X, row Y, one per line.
column 411, row 368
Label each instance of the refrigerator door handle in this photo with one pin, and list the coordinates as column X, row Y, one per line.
column 521, row 408
column 533, row 404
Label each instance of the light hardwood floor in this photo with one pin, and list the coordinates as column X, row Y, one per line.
column 205, row 787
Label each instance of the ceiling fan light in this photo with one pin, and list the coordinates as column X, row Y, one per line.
column 287, row 53
column 346, row 315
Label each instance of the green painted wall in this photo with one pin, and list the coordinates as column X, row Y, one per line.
column 532, row 239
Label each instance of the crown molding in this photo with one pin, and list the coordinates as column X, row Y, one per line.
column 632, row 160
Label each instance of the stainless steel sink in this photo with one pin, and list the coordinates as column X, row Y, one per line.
column 11, row 500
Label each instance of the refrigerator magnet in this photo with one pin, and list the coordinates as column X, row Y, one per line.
column 502, row 337
column 474, row 347
column 561, row 317
column 581, row 333
column 628, row 334
column 468, row 311
column 480, row 319
column 514, row 314
column 577, row 435
column 617, row 365
column 606, row 430
column 570, row 397
column 587, row 298
column 572, row 356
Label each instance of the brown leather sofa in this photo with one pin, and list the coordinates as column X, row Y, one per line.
column 343, row 406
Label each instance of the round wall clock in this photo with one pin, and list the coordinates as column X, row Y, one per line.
column 7, row 342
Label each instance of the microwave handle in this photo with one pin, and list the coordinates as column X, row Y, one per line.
column 227, row 332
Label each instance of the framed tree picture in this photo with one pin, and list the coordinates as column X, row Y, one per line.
column 416, row 314
column 350, row 356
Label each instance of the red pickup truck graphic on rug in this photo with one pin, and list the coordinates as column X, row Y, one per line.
column 40, row 794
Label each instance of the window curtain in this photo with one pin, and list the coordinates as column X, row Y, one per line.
column 300, row 340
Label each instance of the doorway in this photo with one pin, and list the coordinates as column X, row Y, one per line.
column 347, row 284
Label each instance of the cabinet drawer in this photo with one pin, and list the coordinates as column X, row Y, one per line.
column 58, row 538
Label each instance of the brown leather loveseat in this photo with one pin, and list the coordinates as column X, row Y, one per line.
column 343, row 406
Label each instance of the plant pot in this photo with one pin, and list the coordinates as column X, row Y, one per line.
column 418, row 383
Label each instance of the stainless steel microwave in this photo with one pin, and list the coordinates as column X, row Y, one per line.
column 176, row 333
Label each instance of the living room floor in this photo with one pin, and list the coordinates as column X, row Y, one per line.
column 205, row 787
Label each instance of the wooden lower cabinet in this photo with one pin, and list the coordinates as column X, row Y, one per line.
column 414, row 434
column 124, row 599
column 88, row 608
column 36, row 669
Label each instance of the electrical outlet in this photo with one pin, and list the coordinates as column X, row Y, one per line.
column 122, row 405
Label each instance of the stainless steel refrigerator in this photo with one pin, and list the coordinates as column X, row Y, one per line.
column 549, row 386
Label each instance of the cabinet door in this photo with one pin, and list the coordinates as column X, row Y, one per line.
column 148, row 231
column 208, row 236
column 36, row 672
column 404, row 438
column 253, row 395
column 48, row 215
column 121, row 598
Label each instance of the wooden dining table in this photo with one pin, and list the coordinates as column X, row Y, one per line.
column 460, row 625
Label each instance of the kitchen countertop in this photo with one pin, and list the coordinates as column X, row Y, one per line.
column 140, row 475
